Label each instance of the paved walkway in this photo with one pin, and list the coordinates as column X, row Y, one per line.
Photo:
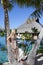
column 39, row 60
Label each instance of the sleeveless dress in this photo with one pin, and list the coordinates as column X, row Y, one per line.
column 14, row 48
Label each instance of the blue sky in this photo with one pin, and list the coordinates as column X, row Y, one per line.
column 17, row 16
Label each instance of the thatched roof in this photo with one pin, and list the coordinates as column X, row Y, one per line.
column 28, row 25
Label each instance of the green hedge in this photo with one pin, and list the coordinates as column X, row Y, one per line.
column 40, row 51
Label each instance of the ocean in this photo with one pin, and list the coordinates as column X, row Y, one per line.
column 3, row 54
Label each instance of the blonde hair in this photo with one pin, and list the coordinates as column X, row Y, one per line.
column 13, row 32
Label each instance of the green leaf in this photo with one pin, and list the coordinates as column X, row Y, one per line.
column 37, row 13
column 10, row 6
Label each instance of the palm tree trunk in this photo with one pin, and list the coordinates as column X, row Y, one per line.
column 7, row 28
column 32, row 54
column 7, row 31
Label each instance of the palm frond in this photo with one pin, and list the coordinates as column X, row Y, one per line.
column 36, row 13
column 12, row 1
column 35, row 3
column 7, row 3
column 10, row 6
column 23, row 2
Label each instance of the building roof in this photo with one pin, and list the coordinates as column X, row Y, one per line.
column 28, row 25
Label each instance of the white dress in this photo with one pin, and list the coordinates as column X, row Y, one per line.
column 21, row 54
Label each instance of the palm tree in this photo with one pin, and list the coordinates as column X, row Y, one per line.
column 37, row 4
column 7, row 5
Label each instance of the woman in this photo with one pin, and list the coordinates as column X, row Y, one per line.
column 18, row 52
column 12, row 40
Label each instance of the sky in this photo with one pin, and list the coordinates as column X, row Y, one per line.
column 17, row 16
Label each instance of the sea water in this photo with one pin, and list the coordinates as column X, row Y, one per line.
column 3, row 54
column 2, row 40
